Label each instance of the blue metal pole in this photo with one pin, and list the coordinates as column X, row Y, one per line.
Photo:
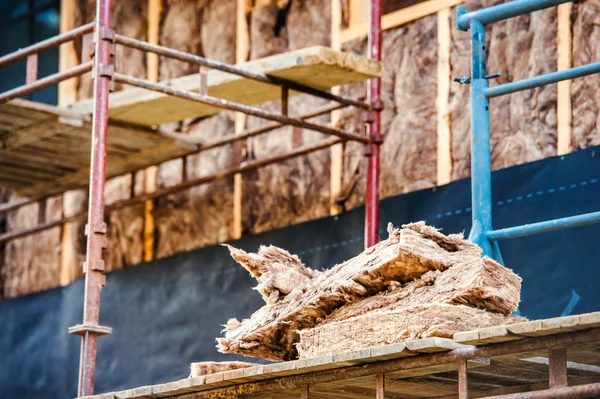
column 543, row 80
column 504, row 11
column 481, row 187
column 543, row 227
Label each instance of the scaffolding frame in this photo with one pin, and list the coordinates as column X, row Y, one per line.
column 482, row 232
column 102, row 67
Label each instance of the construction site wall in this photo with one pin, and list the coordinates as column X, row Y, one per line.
column 524, row 127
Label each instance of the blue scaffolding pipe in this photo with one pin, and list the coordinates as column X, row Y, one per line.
column 543, row 227
column 503, row 11
column 542, row 80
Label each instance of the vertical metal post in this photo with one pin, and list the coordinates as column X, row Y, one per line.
column 557, row 367
column 481, row 175
column 32, row 68
column 96, row 228
column 463, row 390
column 380, row 386
column 304, row 391
column 374, row 132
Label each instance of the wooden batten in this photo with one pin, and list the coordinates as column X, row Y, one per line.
column 67, row 94
column 563, row 105
column 398, row 18
column 444, row 138
column 337, row 151
column 155, row 8
column 242, row 49
column 67, row 56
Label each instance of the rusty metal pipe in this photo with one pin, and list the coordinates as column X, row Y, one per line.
column 574, row 392
column 231, row 106
column 245, row 134
column 45, row 82
column 96, row 227
column 179, row 187
column 221, row 66
column 388, row 366
column 46, row 44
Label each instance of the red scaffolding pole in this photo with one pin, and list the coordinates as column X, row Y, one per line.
column 95, row 279
column 374, row 132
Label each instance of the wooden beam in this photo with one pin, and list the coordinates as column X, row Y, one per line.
column 400, row 17
column 67, row 56
column 67, row 94
column 337, row 151
column 155, row 8
column 359, row 13
column 563, row 105
column 242, row 49
column 444, row 151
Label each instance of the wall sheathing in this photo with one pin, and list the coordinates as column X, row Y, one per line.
column 523, row 127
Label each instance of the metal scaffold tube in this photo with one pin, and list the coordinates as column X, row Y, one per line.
column 90, row 330
column 503, row 11
column 374, row 132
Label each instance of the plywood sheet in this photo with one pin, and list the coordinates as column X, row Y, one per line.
column 318, row 67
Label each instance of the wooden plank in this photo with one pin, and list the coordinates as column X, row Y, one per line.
column 563, row 101
column 115, row 167
column 400, row 17
column 67, row 56
column 242, row 49
column 318, row 67
column 359, row 12
column 524, row 330
column 444, row 149
column 337, row 151
column 155, row 8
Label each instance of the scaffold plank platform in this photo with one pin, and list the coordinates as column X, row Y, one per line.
column 425, row 368
column 316, row 67
column 46, row 150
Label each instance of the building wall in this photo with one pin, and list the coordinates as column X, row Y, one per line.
column 523, row 127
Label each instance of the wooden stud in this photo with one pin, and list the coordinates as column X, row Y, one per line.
column 359, row 12
column 444, row 149
column 67, row 94
column 242, row 49
column 400, row 17
column 67, row 56
column 155, row 8
column 336, row 151
column 154, row 16
column 563, row 105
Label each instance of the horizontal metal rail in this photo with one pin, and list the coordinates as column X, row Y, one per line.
column 542, row 80
column 231, row 106
column 503, row 11
column 47, row 44
column 10, row 206
column 244, row 135
column 177, row 188
column 543, row 227
column 572, row 392
column 46, row 82
column 221, row 66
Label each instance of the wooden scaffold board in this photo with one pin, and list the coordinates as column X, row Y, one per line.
column 503, row 374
